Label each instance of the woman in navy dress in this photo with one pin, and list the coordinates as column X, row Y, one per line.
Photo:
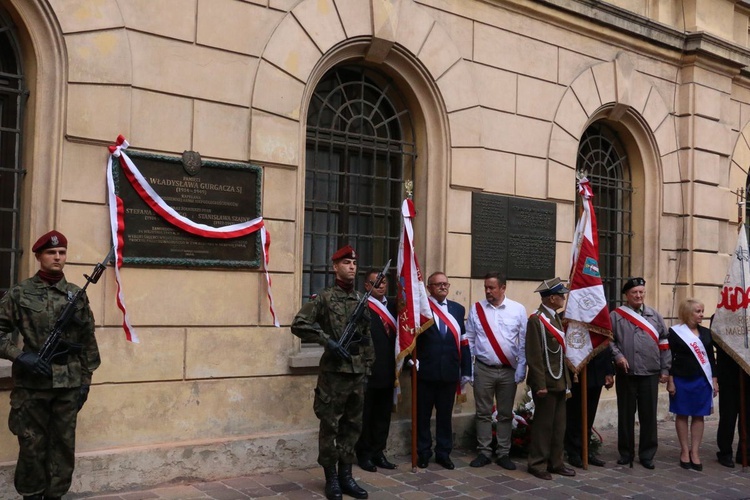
column 692, row 381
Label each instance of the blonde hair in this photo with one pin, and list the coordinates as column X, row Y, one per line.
column 686, row 309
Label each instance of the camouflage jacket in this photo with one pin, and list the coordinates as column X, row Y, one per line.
column 30, row 310
column 325, row 317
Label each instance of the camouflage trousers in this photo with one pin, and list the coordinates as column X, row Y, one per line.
column 45, row 423
column 339, row 400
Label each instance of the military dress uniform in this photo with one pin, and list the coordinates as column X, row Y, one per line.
column 339, row 394
column 44, row 410
column 545, row 360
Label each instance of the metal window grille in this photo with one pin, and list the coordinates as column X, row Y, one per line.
column 12, row 97
column 602, row 159
column 360, row 148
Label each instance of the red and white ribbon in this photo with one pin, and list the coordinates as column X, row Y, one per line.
column 158, row 205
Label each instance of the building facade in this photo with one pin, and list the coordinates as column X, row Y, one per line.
column 340, row 102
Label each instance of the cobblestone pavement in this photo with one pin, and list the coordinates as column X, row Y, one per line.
column 667, row 481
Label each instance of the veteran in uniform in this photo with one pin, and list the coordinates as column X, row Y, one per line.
column 549, row 382
column 46, row 398
column 339, row 394
column 642, row 360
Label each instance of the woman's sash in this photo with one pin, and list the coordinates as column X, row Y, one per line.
column 696, row 347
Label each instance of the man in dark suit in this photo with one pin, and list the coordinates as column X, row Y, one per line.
column 599, row 372
column 443, row 361
column 376, row 418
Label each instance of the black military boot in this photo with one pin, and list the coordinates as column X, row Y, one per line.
column 348, row 484
column 333, row 488
column 34, row 497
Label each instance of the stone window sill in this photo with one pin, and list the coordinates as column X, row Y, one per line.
column 307, row 358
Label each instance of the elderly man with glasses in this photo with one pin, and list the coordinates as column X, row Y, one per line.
column 443, row 360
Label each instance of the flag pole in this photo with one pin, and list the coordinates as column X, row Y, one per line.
column 743, row 420
column 414, row 375
column 583, row 380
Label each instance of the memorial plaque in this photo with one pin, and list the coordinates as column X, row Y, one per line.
column 216, row 194
column 513, row 236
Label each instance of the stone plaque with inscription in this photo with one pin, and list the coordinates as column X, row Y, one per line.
column 216, row 194
column 513, row 236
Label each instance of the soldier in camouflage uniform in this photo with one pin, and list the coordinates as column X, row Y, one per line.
column 339, row 395
column 46, row 398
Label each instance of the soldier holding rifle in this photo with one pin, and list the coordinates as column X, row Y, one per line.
column 344, row 366
column 48, row 389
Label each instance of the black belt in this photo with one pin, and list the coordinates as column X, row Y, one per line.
column 494, row 366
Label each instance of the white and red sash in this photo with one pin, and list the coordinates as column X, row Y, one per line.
column 696, row 347
column 644, row 325
column 385, row 315
column 450, row 322
column 494, row 339
column 552, row 329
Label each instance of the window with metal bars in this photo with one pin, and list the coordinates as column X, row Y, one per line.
column 360, row 149
column 602, row 159
column 12, row 97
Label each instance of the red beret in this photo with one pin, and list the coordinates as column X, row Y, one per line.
column 345, row 252
column 53, row 239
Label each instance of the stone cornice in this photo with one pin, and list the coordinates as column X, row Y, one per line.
column 701, row 44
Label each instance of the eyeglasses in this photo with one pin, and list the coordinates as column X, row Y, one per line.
column 440, row 285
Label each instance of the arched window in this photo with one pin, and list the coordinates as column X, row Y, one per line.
column 602, row 158
column 360, row 149
column 12, row 97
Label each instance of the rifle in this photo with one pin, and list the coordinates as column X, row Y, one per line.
column 55, row 346
column 347, row 338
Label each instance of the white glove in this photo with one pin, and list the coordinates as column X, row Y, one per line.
column 466, row 379
column 411, row 363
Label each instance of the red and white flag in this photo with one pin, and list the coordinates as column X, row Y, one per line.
column 414, row 313
column 731, row 321
column 586, row 313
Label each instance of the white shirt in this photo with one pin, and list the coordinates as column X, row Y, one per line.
column 509, row 320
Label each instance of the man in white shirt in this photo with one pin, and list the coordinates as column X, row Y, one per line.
column 496, row 331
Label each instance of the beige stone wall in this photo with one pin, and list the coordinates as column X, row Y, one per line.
column 501, row 93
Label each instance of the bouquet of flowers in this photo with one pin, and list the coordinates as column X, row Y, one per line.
column 523, row 416
column 520, row 437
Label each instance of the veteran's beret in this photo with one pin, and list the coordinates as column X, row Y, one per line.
column 632, row 283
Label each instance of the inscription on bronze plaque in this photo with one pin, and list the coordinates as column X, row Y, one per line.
column 218, row 194
column 513, row 236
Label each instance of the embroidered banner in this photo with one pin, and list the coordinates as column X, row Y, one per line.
column 731, row 322
column 586, row 315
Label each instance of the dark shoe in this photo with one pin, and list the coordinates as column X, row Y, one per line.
column 726, row 461
column 480, row 461
column 422, row 462
column 506, row 463
column 383, row 462
column 596, row 461
column 563, row 471
column 649, row 464
column 367, row 465
column 34, row 497
column 624, row 461
column 333, row 488
column 684, row 465
column 694, row 466
column 541, row 474
column 445, row 462
column 575, row 461
column 348, row 484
